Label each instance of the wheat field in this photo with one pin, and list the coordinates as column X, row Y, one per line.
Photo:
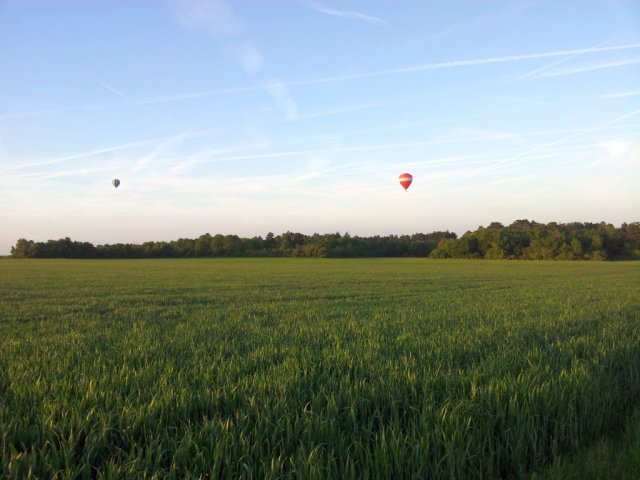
column 311, row 368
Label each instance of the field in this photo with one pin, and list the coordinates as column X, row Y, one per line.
column 316, row 368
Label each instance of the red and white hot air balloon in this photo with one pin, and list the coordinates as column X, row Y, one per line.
column 405, row 180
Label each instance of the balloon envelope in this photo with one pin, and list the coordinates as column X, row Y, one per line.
column 115, row 182
column 405, row 180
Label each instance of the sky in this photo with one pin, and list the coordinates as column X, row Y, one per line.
column 248, row 117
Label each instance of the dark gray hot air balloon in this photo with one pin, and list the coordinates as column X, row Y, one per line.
column 115, row 182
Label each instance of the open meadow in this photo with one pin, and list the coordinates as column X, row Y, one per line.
column 311, row 368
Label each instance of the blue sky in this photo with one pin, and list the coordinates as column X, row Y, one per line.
column 246, row 117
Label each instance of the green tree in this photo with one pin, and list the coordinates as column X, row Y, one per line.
column 23, row 248
column 576, row 248
column 202, row 246
column 231, row 245
column 217, row 245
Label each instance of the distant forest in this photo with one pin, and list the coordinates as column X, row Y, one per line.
column 523, row 239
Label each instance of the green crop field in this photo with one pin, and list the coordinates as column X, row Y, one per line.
column 316, row 368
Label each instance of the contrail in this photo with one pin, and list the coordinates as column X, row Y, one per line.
column 342, row 78
column 571, row 57
column 555, row 142
column 132, row 101
column 622, row 94
column 159, row 142
column 396, row 71
column 348, row 14
column 461, row 63
column 589, row 68
column 91, row 153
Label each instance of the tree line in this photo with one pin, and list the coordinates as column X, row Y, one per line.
column 288, row 244
column 523, row 239
column 530, row 240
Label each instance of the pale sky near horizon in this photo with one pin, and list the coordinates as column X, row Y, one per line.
column 245, row 117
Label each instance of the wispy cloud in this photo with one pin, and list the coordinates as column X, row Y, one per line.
column 280, row 93
column 217, row 18
column 620, row 151
column 341, row 78
column 622, row 94
column 337, row 111
column 77, row 156
column 159, row 150
column 472, row 24
column 467, row 171
column 388, row 72
column 262, row 151
column 45, row 175
column 522, row 156
column 133, row 101
column 588, row 68
column 159, row 145
column 347, row 14
column 477, row 136
column 566, row 59
column 492, row 18
column 538, row 102
column 464, row 63
column 250, row 58
column 214, row 16
column 401, row 70
column 45, row 111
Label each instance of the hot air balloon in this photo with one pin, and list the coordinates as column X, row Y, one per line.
column 115, row 182
column 405, row 180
